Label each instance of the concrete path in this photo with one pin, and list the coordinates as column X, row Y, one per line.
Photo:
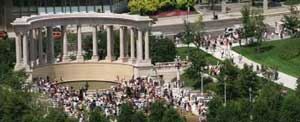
column 284, row 79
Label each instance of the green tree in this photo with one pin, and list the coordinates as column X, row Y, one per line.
column 162, row 50
column 248, row 26
column 136, row 7
column 184, row 4
column 292, row 22
column 268, row 103
column 97, row 116
column 198, row 63
column 290, row 110
column 298, row 87
column 171, row 115
column 259, row 28
column 56, row 115
column 139, row 116
column 157, row 110
column 126, row 113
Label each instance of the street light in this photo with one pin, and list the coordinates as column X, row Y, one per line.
column 225, row 86
column 201, row 81
column 250, row 99
column 177, row 65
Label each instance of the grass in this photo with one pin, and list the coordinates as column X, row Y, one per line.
column 184, row 51
column 281, row 54
column 93, row 85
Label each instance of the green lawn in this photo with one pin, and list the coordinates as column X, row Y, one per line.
column 184, row 51
column 283, row 54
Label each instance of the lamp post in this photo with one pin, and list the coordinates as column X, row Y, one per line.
column 188, row 10
column 201, row 81
column 177, row 65
column 225, row 87
column 250, row 100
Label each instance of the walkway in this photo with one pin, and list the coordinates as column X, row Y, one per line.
column 284, row 79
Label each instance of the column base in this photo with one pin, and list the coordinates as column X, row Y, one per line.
column 108, row 59
column 66, row 59
column 148, row 61
column 27, row 68
column 131, row 60
column 95, row 58
column 33, row 63
column 121, row 59
column 18, row 67
column 79, row 58
column 41, row 62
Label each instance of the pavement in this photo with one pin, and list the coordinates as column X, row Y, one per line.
column 283, row 78
column 174, row 25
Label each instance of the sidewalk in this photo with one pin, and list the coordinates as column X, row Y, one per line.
column 208, row 17
column 284, row 79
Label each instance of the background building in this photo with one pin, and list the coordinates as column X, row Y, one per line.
column 11, row 9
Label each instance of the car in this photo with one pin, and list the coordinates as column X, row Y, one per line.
column 3, row 34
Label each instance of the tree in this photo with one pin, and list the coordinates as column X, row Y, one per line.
column 187, row 37
column 198, row 63
column 290, row 110
column 162, row 50
column 157, row 110
column 136, row 6
column 171, row 115
column 268, row 103
column 298, row 86
column 198, row 32
column 56, row 115
column 97, row 116
column 126, row 113
column 248, row 29
column 291, row 22
column 139, row 116
column 194, row 32
column 259, row 28
column 184, row 4
column 253, row 25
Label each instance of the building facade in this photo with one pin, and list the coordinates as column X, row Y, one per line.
column 12, row 9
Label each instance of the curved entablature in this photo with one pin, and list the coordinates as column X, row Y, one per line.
column 35, row 21
column 35, row 37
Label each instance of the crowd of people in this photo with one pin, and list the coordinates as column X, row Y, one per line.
column 139, row 92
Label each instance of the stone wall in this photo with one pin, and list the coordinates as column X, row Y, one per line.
column 85, row 71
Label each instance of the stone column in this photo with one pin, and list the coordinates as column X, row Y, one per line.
column 147, row 58
column 50, row 46
column 265, row 5
column 132, row 46
column 223, row 6
column 34, row 53
column 121, row 58
column 65, row 57
column 18, row 65
column 40, row 41
column 79, row 56
column 140, row 46
column 25, row 51
column 52, row 57
column 95, row 56
column 31, row 48
column 108, row 46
